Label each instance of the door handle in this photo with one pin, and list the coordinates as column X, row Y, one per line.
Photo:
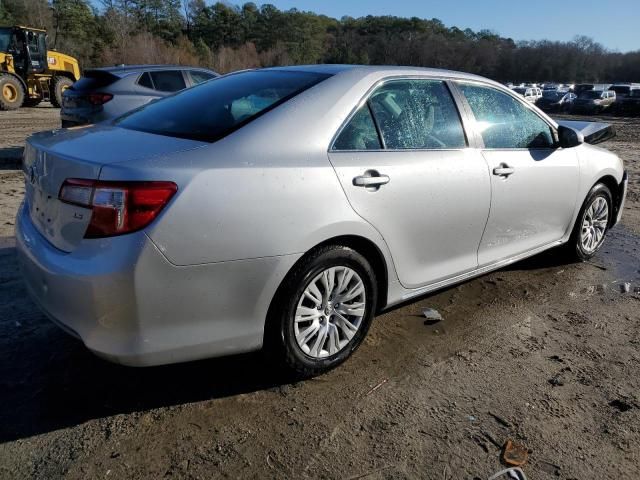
column 371, row 181
column 504, row 170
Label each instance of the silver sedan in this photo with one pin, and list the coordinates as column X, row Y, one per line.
column 283, row 208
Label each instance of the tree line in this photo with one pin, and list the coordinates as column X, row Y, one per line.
column 228, row 37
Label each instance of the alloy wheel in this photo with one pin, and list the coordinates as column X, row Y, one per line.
column 594, row 224
column 329, row 312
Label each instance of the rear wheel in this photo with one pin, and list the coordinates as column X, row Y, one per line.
column 60, row 84
column 592, row 223
column 11, row 93
column 323, row 310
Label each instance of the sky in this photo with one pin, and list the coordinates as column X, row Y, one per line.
column 616, row 25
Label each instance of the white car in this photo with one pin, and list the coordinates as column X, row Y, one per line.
column 530, row 94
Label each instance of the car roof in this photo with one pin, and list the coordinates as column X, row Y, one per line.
column 365, row 70
column 122, row 70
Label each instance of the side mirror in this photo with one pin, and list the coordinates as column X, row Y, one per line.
column 568, row 137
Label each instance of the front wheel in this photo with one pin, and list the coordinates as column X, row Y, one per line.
column 592, row 223
column 11, row 92
column 323, row 310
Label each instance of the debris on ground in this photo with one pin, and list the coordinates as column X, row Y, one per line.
column 625, row 287
column 511, row 473
column 377, row 386
column 491, row 438
column 500, row 420
column 432, row 316
column 514, row 453
column 601, row 267
column 556, row 380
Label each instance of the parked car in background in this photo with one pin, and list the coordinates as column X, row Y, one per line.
column 593, row 101
column 584, row 87
column 285, row 207
column 556, row 101
column 106, row 93
column 631, row 104
column 623, row 90
column 530, row 94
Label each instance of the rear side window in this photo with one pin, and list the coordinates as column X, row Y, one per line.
column 199, row 76
column 359, row 134
column 145, row 80
column 168, row 80
column 504, row 122
column 223, row 105
column 417, row 114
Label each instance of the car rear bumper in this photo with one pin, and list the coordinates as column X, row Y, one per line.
column 128, row 304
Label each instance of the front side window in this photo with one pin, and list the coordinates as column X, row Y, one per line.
column 504, row 122
column 417, row 114
column 168, row 81
column 223, row 105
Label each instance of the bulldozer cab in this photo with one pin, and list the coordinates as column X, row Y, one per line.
column 28, row 48
column 28, row 72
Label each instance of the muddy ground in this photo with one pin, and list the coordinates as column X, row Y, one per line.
column 544, row 353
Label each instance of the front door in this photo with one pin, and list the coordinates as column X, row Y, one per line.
column 404, row 164
column 534, row 183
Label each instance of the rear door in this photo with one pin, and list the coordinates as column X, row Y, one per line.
column 403, row 161
column 534, row 184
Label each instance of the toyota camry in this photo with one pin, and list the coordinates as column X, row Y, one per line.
column 283, row 208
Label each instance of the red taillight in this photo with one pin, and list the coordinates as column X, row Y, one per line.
column 99, row 98
column 117, row 207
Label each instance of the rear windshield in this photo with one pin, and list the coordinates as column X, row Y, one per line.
column 214, row 109
column 591, row 94
column 94, row 79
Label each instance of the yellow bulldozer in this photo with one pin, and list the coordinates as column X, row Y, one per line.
column 29, row 73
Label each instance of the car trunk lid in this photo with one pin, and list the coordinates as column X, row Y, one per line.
column 52, row 157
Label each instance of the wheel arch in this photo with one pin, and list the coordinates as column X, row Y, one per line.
column 614, row 187
column 17, row 77
column 369, row 250
column 63, row 73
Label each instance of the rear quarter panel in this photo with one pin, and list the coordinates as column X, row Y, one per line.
column 266, row 190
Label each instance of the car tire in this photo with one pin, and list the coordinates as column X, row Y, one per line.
column 60, row 84
column 288, row 325
column 594, row 220
column 11, row 93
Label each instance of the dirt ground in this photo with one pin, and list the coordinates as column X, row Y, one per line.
column 544, row 353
